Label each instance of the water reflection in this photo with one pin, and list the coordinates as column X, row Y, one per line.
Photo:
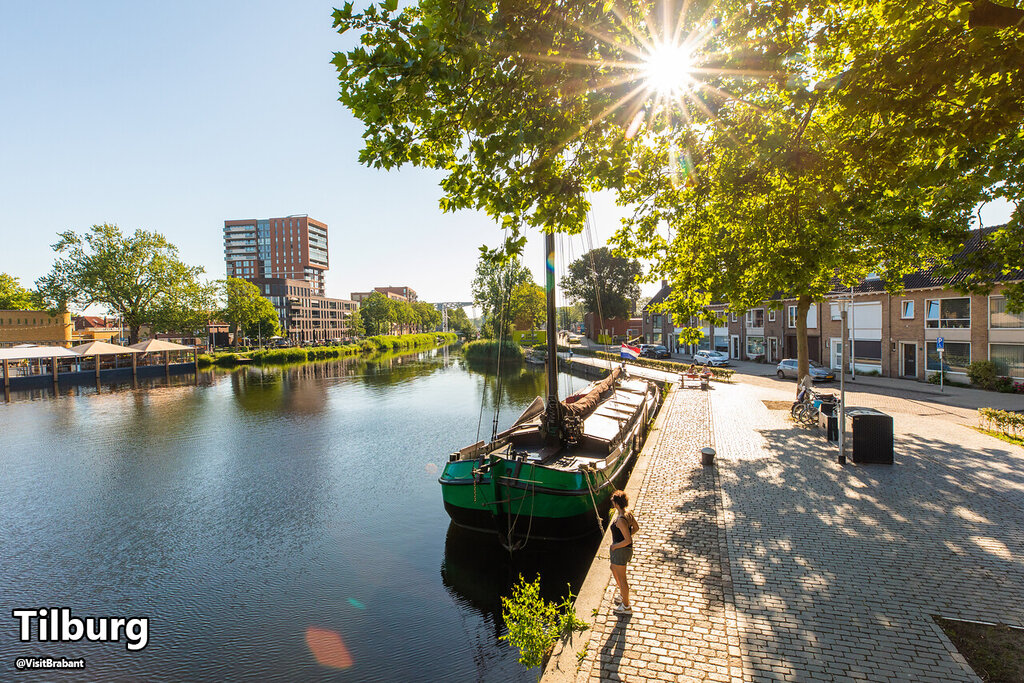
column 275, row 523
column 477, row 571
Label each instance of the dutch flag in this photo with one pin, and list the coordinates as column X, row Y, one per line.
column 629, row 352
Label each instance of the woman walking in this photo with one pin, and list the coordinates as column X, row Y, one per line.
column 621, row 550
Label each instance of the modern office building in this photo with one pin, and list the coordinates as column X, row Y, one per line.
column 286, row 258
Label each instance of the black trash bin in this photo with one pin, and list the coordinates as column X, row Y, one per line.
column 872, row 435
column 830, row 423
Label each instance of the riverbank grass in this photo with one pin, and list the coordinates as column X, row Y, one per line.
column 230, row 359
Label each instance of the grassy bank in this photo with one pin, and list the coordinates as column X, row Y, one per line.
column 486, row 350
column 230, row 359
column 717, row 374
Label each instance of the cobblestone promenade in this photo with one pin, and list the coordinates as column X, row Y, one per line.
column 780, row 564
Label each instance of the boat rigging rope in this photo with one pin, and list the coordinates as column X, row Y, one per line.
column 510, row 530
column 593, row 500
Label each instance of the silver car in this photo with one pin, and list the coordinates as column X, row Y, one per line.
column 819, row 373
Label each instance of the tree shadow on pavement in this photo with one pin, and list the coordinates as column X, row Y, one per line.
column 836, row 569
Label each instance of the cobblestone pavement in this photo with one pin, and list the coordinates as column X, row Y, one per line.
column 837, row 570
column 682, row 627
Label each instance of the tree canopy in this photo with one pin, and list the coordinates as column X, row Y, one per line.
column 804, row 144
column 378, row 313
column 15, row 297
column 604, row 283
column 495, row 283
column 133, row 276
column 248, row 311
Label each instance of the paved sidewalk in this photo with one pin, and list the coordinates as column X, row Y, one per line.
column 682, row 628
column 837, row 571
column 780, row 564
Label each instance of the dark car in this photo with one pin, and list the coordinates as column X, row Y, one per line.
column 655, row 352
column 819, row 373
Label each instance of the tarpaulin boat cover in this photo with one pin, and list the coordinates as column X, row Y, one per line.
column 588, row 402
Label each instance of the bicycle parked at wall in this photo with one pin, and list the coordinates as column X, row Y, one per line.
column 811, row 405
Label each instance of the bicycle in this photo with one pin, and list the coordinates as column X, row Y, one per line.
column 808, row 408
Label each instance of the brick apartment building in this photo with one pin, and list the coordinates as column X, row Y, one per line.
column 287, row 258
column 894, row 335
column 393, row 293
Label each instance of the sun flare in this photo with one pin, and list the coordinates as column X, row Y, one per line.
column 668, row 69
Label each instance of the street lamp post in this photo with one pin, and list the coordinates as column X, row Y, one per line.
column 843, row 310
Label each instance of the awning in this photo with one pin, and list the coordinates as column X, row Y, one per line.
column 153, row 345
column 34, row 352
column 101, row 348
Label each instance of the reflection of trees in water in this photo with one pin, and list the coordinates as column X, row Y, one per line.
column 477, row 571
column 518, row 385
column 301, row 387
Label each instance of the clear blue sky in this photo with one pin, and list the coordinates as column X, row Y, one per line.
column 176, row 116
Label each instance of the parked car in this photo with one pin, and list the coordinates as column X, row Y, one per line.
column 654, row 351
column 713, row 358
column 819, row 373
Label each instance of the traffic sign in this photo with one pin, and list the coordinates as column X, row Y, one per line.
column 939, row 343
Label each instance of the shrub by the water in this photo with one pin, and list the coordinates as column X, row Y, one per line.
column 534, row 624
column 487, row 350
column 299, row 354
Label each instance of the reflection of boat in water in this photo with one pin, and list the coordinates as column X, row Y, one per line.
column 477, row 571
column 550, row 475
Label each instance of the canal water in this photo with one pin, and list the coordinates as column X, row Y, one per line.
column 264, row 517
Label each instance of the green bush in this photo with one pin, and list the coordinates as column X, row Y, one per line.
column 487, row 350
column 983, row 374
column 534, row 624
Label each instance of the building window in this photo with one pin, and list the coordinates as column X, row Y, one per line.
column 907, row 310
column 755, row 347
column 956, row 356
column 771, row 315
column 1009, row 359
column 947, row 314
column 755, row 317
column 835, row 313
column 1001, row 318
column 791, row 317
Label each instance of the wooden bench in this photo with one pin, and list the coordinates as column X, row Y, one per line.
column 695, row 380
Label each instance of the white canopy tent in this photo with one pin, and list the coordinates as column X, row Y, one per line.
column 52, row 353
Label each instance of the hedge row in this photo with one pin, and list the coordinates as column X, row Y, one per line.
column 302, row 354
column 1009, row 423
column 720, row 374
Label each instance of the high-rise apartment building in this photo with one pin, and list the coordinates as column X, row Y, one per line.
column 293, row 247
column 286, row 258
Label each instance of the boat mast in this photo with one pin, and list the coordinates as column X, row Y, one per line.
column 553, row 419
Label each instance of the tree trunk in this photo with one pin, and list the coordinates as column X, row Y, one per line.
column 803, row 304
column 133, row 334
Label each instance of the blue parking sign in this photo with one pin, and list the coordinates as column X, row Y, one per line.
column 939, row 344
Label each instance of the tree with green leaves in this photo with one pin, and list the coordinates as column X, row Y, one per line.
column 528, row 306
column 604, row 283
column 132, row 276
column 459, row 322
column 427, row 315
column 15, row 297
column 355, row 324
column 378, row 313
column 249, row 313
column 189, row 307
column 766, row 147
column 493, row 284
